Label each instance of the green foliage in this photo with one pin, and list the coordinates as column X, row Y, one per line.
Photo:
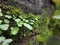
column 14, row 30
column 22, row 20
column 45, row 32
column 54, row 25
column 4, row 41
column 15, row 21
column 44, row 36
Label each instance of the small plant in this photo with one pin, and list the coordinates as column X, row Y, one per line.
column 21, row 21
column 15, row 22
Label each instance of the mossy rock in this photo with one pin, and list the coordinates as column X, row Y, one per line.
column 33, row 6
column 24, row 33
column 9, row 14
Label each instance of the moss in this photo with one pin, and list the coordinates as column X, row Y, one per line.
column 10, row 10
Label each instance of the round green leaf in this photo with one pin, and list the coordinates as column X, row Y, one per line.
column 56, row 17
column 4, row 26
column 14, row 30
column 6, row 21
column 7, row 41
column 20, row 23
column 7, row 16
column 17, row 20
column 5, row 44
column 2, row 39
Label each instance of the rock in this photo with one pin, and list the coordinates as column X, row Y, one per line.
column 33, row 6
column 36, row 6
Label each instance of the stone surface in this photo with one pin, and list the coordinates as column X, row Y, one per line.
column 36, row 6
column 33, row 6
